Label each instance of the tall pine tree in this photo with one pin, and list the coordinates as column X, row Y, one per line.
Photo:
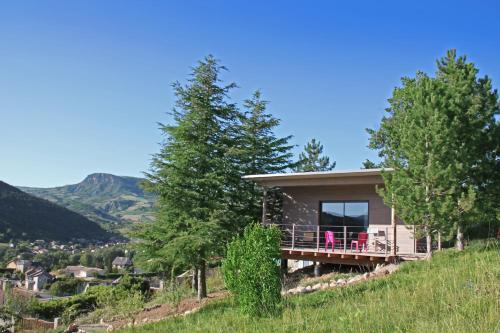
column 311, row 160
column 260, row 151
column 474, row 145
column 439, row 138
column 192, row 175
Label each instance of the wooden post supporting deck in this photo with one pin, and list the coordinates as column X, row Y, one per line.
column 293, row 236
column 394, row 230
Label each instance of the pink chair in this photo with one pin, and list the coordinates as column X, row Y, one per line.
column 330, row 239
column 362, row 242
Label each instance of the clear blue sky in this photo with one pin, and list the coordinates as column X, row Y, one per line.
column 83, row 83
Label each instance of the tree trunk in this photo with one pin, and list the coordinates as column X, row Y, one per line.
column 428, row 239
column 202, row 282
column 460, row 239
column 194, row 280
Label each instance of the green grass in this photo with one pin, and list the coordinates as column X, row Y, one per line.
column 454, row 292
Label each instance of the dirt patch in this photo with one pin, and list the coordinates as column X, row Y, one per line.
column 159, row 312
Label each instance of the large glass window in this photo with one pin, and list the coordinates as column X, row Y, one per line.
column 332, row 213
column 345, row 213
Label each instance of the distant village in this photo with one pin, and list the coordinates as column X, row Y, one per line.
column 32, row 278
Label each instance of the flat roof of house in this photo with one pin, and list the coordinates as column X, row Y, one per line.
column 339, row 177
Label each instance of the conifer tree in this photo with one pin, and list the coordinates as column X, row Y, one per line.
column 311, row 160
column 260, row 151
column 474, row 145
column 367, row 164
column 439, row 138
column 192, row 175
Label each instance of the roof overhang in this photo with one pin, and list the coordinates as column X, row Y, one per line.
column 343, row 177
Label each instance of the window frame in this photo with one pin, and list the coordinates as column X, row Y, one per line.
column 321, row 202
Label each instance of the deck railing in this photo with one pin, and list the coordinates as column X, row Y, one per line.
column 380, row 239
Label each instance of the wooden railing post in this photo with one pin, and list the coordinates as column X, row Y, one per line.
column 345, row 239
column 317, row 238
column 386, row 239
column 264, row 205
column 293, row 236
column 414, row 239
column 394, row 231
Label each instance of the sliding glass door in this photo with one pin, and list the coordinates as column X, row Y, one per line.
column 353, row 214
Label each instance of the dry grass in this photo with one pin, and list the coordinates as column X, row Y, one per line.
column 454, row 292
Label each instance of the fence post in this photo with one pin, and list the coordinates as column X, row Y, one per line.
column 345, row 239
column 293, row 236
column 57, row 322
column 317, row 238
column 439, row 241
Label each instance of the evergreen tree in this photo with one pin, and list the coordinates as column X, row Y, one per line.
column 192, row 175
column 439, row 138
column 311, row 160
column 367, row 164
column 87, row 260
column 260, row 152
column 474, row 145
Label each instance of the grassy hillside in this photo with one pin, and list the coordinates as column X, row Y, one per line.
column 104, row 198
column 455, row 292
column 23, row 216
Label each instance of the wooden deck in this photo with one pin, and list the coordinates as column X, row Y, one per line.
column 346, row 257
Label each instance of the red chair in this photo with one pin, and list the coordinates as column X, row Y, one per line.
column 330, row 238
column 362, row 242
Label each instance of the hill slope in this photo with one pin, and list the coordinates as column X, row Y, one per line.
column 23, row 216
column 103, row 198
column 454, row 292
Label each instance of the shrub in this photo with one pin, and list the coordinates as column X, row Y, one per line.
column 6, row 322
column 64, row 307
column 251, row 271
column 130, row 293
column 65, row 287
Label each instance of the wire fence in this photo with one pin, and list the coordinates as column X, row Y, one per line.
column 352, row 238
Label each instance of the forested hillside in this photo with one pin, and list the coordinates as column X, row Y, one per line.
column 23, row 216
column 103, row 198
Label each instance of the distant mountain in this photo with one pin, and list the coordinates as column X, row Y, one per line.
column 104, row 198
column 23, row 216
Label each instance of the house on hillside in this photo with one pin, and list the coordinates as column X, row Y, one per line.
column 122, row 263
column 36, row 278
column 19, row 265
column 338, row 217
column 84, row 272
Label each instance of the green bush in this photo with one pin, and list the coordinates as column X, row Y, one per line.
column 5, row 320
column 57, row 308
column 131, row 291
column 251, row 271
column 65, row 287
